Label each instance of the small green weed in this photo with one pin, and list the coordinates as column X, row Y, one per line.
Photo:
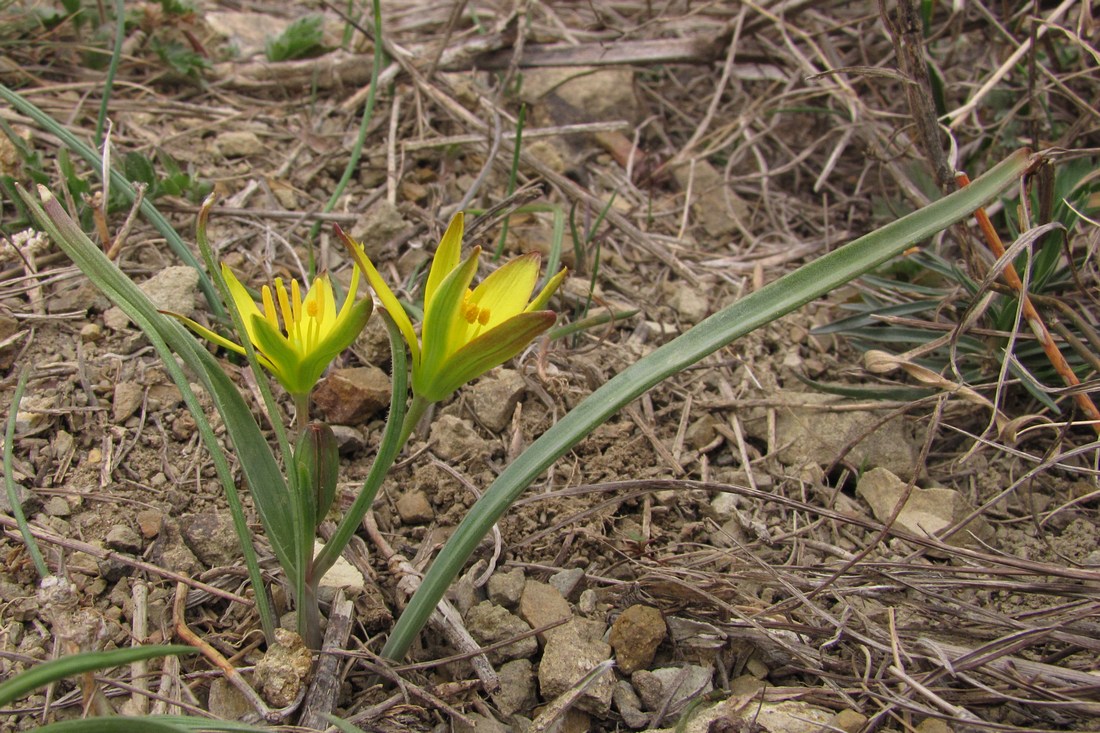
column 301, row 39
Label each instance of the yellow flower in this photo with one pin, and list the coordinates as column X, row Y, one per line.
column 295, row 338
column 465, row 332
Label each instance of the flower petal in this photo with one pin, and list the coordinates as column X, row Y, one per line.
column 336, row 339
column 505, row 292
column 446, row 258
column 285, row 361
column 549, row 289
column 389, row 300
column 491, row 349
column 241, row 300
column 443, row 328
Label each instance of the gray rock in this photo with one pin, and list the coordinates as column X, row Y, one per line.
column 489, row 623
column 926, row 512
column 455, row 439
column 20, row 496
column 517, row 687
column 127, row 400
column 124, row 539
column 56, row 506
column 226, row 702
column 567, row 581
column 570, row 654
column 211, row 537
column 481, row 724
column 540, row 605
column 348, row 440
column 172, row 289
column 506, row 588
column 808, row 432
column 629, row 705
column 689, row 303
column 414, row 508
column 635, row 636
column 381, row 223
column 353, row 396
column 679, row 684
column 494, row 398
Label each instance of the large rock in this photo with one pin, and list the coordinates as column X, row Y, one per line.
column 494, row 398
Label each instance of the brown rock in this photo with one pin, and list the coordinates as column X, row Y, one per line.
column 149, row 521
column 414, row 508
column 635, row 636
column 284, row 668
column 850, row 721
column 353, row 396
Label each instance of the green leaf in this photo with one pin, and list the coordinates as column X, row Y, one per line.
column 301, row 38
column 57, row 669
column 746, row 315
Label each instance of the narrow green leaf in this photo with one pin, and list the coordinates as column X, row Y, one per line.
column 760, row 308
column 47, row 672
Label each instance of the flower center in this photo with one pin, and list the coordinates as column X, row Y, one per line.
column 472, row 313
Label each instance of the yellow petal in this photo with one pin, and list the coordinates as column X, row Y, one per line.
column 446, row 258
column 241, row 300
column 389, row 300
column 549, row 289
column 505, row 293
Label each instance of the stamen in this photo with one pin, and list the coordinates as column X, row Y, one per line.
column 483, row 316
column 269, row 307
column 470, row 312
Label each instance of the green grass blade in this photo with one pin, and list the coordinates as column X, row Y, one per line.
column 167, row 336
column 148, row 724
column 47, row 672
column 760, row 308
column 9, row 482
column 118, row 183
column 112, row 69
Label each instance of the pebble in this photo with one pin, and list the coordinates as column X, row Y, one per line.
column 91, row 332
column 124, row 539
column 149, row 522
column 414, row 508
column 349, row 440
column 226, row 702
column 677, row 685
column 629, row 705
column 56, row 506
column 850, row 721
column 690, row 304
column 381, row 223
column 494, row 398
column 571, row 653
column 489, row 623
column 283, row 669
column 567, row 581
column 479, row 724
column 128, row 398
column 238, row 143
column 506, row 588
column 211, row 537
column 172, row 289
column 541, row 604
column 353, row 396
column 517, row 687
column 455, row 439
column 635, row 636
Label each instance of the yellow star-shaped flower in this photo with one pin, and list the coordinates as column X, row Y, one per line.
column 465, row 332
column 295, row 338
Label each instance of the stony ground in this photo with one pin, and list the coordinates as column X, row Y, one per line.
column 753, row 552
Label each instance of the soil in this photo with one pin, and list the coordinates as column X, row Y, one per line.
column 730, row 498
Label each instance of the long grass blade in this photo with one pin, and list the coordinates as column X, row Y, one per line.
column 9, row 482
column 761, row 307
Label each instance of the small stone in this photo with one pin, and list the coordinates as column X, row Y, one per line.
column 540, row 605
column 238, row 143
column 381, row 223
column 56, row 506
column 172, row 289
column 353, row 396
column 128, row 398
column 489, row 623
column 588, row 601
column 926, row 511
column 163, row 397
column 506, row 588
column 568, row 656
column 342, row 574
column 212, row 537
column 702, row 432
column 850, row 721
column 149, row 522
column 480, row 724
column 635, row 636
column 677, row 685
column 756, row 667
column 517, row 687
column 20, row 496
column 455, row 439
column 226, row 702
column 567, row 581
column 494, row 398
column 283, row 669
column 934, row 725
column 414, row 508
column 124, row 539
column 348, row 440
column 91, row 332
column 689, row 303
column 629, row 705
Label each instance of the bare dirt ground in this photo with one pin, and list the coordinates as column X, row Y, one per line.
column 751, row 550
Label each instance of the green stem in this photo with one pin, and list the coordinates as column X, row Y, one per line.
column 390, row 446
column 9, row 482
column 416, row 411
column 112, row 69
